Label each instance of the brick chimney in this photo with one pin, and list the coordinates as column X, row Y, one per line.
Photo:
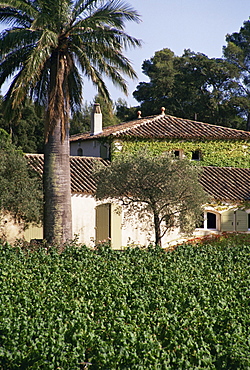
column 96, row 120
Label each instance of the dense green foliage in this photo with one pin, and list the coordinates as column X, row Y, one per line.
column 125, row 113
column 21, row 191
column 231, row 153
column 237, row 53
column 26, row 128
column 138, row 309
column 191, row 86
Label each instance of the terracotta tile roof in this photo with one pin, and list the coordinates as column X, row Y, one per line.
column 222, row 183
column 226, row 183
column 169, row 127
column 81, row 171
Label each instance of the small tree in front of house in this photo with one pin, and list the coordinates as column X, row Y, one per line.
column 165, row 188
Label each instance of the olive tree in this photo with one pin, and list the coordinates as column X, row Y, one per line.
column 163, row 187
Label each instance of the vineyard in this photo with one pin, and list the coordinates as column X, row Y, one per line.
column 138, row 309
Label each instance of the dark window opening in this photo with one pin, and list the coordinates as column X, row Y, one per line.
column 79, row 152
column 248, row 221
column 104, row 152
column 196, row 155
column 211, row 220
column 177, row 154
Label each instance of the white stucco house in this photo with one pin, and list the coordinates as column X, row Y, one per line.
column 208, row 145
column 95, row 221
column 224, row 154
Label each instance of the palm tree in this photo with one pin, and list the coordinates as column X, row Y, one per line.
column 46, row 48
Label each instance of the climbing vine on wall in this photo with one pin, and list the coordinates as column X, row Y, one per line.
column 218, row 153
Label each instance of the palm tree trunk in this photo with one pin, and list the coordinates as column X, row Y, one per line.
column 57, row 195
column 56, row 175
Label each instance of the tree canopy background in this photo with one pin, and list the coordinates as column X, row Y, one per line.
column 237, row 53
column 192, row 86
column 26, row 128
column 21, row 190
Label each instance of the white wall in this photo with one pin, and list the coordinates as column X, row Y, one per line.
column 136, row 231
column 83, row 218
column 90, row 148
column 83, row 221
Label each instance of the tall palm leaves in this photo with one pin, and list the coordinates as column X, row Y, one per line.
column 47, row 46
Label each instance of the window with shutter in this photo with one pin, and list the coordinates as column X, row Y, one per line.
column 178, row 154
column 241, row 221
column 227, row 221
column 211, row 220
column 116, row 224
column 108, row 224
column 196, row 155
column 102, row 222
column 80, row 152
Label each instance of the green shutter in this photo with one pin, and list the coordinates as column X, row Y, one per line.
column 241, row 221
column 108, row 224
column 227, row 221
column 33, row 232
column 102, row 222
column 116, row 222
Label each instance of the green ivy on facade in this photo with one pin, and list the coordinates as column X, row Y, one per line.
column 219, row 153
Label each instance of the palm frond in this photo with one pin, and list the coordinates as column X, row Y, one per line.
column 8, row 104
column 16, row 38
column 102, row 54
column 80, row 6
column 114, row 13
column 17, row 9
column 112, row 66
column 32, row 67
column 53, row 15
column 10, row 65
column 91, row 72
column 75, row 89
column 87, row 35
column 39, row 93
column 104, row 45
column 14, row 19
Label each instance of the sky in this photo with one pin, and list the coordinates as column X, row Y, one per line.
column 199, row 25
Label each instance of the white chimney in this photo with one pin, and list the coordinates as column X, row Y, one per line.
column 96, row 120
